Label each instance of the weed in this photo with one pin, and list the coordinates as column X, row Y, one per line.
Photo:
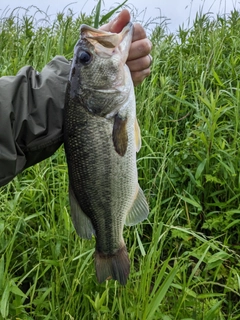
column 185, row 257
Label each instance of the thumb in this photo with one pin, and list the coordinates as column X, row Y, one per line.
column 117, row 24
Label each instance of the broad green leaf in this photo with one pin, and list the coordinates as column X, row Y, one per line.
column 190, row 201
column 217, row 78
column 5, row 301
column 2, row 272
column 212, row 312
column 14, row 289
column 143, row 252
column 161, row 293
column 200, row 169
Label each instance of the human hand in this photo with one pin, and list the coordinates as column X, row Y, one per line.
column 139, row 58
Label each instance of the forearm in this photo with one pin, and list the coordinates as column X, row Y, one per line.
column 31, row 116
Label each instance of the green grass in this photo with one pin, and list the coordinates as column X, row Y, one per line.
column 185, row 259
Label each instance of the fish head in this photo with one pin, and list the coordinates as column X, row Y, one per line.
column 99, row 75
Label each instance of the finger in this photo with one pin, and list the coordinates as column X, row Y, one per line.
column 139, row 49
column 139, row 76
column 138, row 32
column 117, row 24
column 139, row 64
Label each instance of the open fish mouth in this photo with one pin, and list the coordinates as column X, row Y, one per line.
column 106, row 43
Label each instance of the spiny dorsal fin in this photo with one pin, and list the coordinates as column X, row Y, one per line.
column 139, row 210
column 119, row 135
column 81, row 222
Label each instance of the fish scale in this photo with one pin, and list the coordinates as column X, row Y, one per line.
column 98, row 173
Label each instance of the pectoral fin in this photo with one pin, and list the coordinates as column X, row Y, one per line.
column 119, row 135
column 81, row 222
column 139, row 210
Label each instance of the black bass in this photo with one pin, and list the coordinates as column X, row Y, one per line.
column 101, row 138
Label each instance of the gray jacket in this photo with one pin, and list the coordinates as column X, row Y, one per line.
column 31, row 116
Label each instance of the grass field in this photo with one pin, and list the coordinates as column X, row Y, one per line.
column 185, row 259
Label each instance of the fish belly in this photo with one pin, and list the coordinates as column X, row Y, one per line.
column 104, row 182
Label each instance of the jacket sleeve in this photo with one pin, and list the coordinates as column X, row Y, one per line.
column 31, row 116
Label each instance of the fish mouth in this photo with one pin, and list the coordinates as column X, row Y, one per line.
column 105, row 43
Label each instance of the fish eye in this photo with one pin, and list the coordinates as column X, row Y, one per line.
column 84, row 57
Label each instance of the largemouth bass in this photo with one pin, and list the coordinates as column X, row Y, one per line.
column 101, row 138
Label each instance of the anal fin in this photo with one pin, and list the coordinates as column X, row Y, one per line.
column 139, row 210
column 81, row 222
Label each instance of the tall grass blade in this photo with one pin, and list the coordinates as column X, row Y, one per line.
column 107, row 16
column 97, row 14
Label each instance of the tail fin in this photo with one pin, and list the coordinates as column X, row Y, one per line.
column 115, row 266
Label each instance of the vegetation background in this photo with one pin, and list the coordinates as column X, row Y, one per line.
column 185, row 259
